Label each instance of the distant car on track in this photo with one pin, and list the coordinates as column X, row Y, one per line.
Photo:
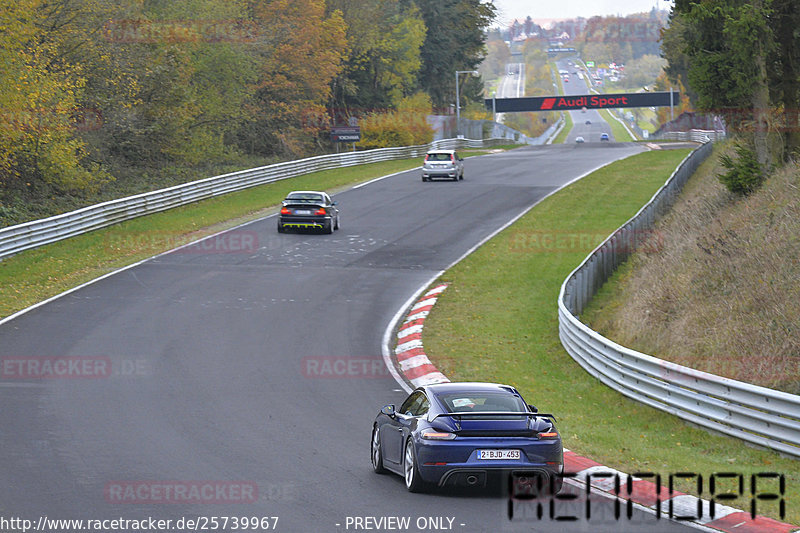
column 588, row 122
column 308, row 210
column 604, row 137
column 463, row 434
column 579, row 139
column 443, row 164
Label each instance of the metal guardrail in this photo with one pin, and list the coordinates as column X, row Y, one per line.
column 700, row 136
column 758, row 415
column 15, row 239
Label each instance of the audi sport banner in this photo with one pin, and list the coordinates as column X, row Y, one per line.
column 589, row 101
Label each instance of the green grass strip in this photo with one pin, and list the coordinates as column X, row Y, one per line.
column 561, row 138
column 619, row 131
column 41, row 273
column 498, row 321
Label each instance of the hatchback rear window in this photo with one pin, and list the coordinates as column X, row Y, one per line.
column 438, row 157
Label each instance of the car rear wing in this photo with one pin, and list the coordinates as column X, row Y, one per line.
column 468, row 414
column 295, row 203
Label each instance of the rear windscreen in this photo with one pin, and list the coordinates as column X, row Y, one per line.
column 481, row 402
column 304, row 198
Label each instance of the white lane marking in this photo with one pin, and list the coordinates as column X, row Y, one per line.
column 384, row 177
column 387, row 333
column 525, row 211
column 386, row 350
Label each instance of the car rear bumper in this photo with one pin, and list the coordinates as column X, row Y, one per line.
column 474, row 477
column 439, row 174
column 304, row 222
column 442, row 172
column 454, row 462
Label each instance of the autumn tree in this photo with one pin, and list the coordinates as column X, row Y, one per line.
column 382, row 63
column 303, row 54
column 455, row 42
column 728, row 48
column 38, row 141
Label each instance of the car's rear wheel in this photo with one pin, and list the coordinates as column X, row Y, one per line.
column 376, row 454
column 337, row 222
column 281, row 229
column 328, row 227
column 414, row 482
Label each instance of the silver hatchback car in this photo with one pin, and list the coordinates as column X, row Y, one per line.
column 443, row 164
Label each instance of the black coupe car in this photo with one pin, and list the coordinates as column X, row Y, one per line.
column 308, row 210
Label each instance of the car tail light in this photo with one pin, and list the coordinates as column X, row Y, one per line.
column 285, row 211
column 426, row 157
column 452, row 158
column 548, row 435
column 437, row 435
column 321, row 211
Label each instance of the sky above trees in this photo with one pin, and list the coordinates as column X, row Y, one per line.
column 508, row 10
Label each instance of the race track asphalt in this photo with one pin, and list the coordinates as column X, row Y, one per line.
column 252, row 364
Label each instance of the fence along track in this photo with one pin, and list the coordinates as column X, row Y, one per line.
column 15, row 239
column 758, row 415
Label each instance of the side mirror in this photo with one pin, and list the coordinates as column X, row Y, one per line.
column 333, row 203
column 533, row 408
column 388, row 410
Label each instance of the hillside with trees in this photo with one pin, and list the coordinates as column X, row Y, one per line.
column 716, row 288
column 104, row 98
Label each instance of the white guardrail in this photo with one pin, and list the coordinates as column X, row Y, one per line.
column 698, row 136
column 15, row 239
column 755, row 414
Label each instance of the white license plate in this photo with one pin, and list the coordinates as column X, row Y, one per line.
column 499, row 454
column 302, row 212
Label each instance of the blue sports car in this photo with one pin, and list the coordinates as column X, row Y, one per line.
column 463, row 433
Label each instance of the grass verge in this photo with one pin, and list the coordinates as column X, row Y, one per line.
column 716, row 263
column 619, row 131
column 41, row 273
column 498, row 322
column 561, row 138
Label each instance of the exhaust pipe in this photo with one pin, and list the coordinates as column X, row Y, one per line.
column 472, row 479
